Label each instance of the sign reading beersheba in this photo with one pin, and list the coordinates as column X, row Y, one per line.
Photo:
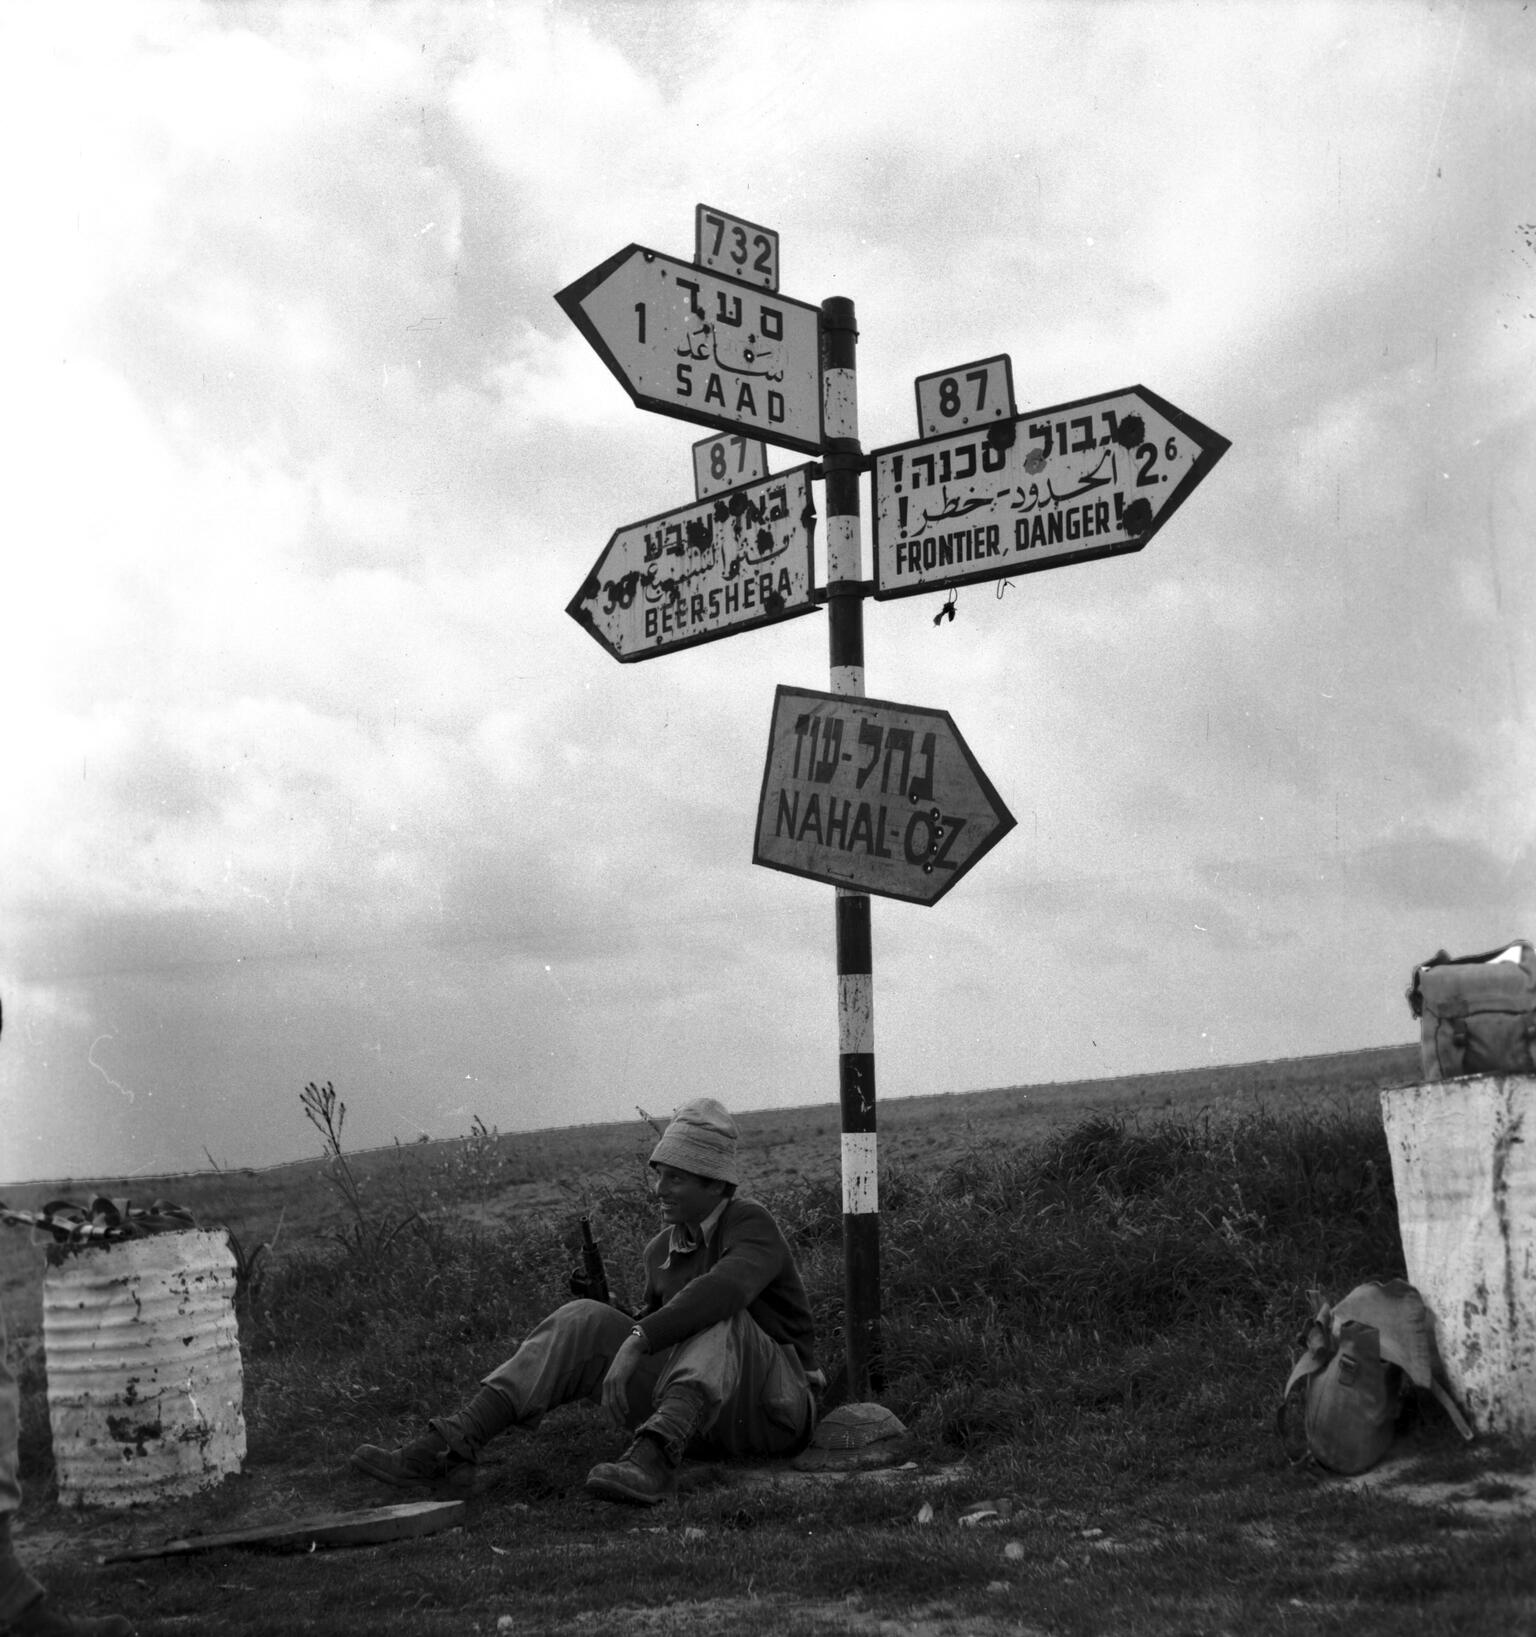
column 873, row 796
column 1093, row 478
column 733, row 561
column 703, row 346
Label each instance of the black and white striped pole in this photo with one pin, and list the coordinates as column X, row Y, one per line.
column 842, row 463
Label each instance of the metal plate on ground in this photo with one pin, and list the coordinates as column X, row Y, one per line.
column 366, row 1528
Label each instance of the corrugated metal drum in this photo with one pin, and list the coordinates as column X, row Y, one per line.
column 143, row 1358
column 1464, row 1165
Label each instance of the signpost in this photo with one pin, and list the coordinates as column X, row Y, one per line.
column 879, row 797
column 731, row 562
column 1093, row 478
column 704, row 347
column 867, row 795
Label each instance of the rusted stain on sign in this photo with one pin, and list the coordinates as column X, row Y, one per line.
column 704, row 347
column 737, row 560
column 1093, row 478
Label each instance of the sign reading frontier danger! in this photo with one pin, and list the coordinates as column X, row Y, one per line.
column 1093, row 478
column 873, row 796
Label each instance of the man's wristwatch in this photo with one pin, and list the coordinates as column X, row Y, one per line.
column 639, row 1335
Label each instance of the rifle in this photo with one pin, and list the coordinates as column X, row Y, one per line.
column 593, row 1276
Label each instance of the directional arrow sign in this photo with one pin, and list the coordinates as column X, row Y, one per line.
column 878, row 797
column 733, row 561
column 704, row 347
column 1093, row 478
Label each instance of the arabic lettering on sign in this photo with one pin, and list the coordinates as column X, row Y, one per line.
column 1088, row 479
column 729, row 355
column 704, row 346
column 738, row 559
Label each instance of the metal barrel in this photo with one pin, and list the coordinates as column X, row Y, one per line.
column 144, row 1377
column 1465, row 1177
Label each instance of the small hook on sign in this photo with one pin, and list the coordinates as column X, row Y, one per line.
column 1002, row 586
column 947, row 612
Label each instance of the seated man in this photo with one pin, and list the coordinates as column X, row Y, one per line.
column 717, row 1360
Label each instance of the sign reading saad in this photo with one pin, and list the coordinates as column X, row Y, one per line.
column 730, row 562
column 873, row 796
column 1093, row 478
column 704, row 347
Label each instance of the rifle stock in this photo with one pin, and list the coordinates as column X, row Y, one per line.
column 592, row 1264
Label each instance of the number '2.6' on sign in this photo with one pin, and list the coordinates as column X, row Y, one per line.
column 726, row 244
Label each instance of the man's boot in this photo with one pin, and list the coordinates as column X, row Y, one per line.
column 427, row 1462
column 447, row 1452
column 647, row 1471
column 642, row 1475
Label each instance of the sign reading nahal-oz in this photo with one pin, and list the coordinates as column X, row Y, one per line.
column 873, row 796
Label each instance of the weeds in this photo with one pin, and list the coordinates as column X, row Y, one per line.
column 477, row 1168
column 1032, row 1296
column 371, row 1231
column 1100, row 1321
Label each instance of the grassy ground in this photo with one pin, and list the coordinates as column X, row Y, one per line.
column 1086, row 1327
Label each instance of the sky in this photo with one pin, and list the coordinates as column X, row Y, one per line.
column 309, row 775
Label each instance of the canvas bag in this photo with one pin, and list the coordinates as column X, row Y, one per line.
column 1477, row 1013
column 1362, row 1358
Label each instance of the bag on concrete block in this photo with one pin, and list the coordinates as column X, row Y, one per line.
column 1477, row 1013
column 1363, row 1359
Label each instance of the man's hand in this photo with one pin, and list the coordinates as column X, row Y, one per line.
column 616, row 1382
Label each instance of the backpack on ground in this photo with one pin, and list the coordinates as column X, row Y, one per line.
column 1363, row 1358
column 1477, row 1013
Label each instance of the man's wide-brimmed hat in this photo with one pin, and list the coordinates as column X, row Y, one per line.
column 700, row 1138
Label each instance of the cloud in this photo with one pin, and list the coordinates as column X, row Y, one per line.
column 1421, row 870
column 309, row 774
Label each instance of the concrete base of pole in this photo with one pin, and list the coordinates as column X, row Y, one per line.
column 1464, row 1166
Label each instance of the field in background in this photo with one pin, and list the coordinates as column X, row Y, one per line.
column 1091, row 1295
column 558, row 1171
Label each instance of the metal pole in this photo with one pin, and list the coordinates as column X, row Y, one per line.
column 842, row 463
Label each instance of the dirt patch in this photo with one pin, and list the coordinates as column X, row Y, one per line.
column 1491, row 1496
column 723, row 1616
